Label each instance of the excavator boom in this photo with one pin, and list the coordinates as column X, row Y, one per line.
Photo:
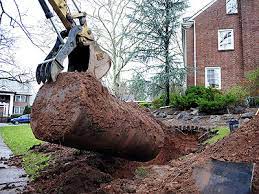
column 83, row 52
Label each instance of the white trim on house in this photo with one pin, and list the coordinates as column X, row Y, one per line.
column 11, row 104
column 21, row 98
column 232, row 46
column 202, row 10
column 5, row 108
column 231, row 7
column 207, row 84
column 18, row 109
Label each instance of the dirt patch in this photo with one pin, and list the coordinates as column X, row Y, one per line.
column 75, row 171
column 241, row 146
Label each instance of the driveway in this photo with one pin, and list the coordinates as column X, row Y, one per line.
column 12, row 179
column 4, row 124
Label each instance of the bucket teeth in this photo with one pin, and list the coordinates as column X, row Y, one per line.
column 43, row 72
column 47, row 72
column 38, row 79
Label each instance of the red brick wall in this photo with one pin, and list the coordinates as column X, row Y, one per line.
column 250, row 33
column 231, row 62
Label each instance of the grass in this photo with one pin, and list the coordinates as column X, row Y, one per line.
column 20, row 139
column 141, row 172
column 222, row 132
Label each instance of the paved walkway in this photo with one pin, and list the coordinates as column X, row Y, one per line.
column 12, row 179
column 4, row 124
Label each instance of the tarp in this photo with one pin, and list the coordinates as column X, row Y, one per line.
column 224, row 177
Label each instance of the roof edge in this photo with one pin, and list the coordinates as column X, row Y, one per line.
column 202, row 10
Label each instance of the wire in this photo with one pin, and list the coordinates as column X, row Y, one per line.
column 76, row 6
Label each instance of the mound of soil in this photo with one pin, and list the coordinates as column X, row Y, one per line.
column 241, row 146
column 77, row 111
column 75, row 171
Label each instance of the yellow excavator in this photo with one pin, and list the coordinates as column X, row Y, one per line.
column 76, row 42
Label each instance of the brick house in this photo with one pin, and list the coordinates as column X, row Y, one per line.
column 14, row 97
column 221, row 43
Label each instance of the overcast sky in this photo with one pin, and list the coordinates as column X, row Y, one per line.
column 30, row 55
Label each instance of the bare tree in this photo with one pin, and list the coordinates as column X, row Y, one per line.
column 9, row 22
column 112, row 27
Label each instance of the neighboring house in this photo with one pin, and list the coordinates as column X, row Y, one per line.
column 14, row 97
column 221, row 43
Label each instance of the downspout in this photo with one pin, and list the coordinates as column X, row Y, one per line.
column 188, row 25
column 184, row 55
column 194, row 53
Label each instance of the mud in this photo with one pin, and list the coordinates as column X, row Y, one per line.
column 77, row 111
column 75, row 171
column 167, row 173
column 241, row 146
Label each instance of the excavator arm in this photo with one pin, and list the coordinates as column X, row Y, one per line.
column 76, row 42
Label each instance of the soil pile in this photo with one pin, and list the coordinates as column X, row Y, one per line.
column 75, row 171
column 241, row 146
column 77, row 111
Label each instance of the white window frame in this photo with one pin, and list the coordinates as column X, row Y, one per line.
column 20, row 108
column 231, row 7
column 20, row 98
column 206, row 76
column 17, row 98
column 232, row 47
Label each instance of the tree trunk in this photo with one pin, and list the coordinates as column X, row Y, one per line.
column 167, row 62
column 77, row 111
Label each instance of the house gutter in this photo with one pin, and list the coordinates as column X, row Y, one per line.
column 194, row 53
column 188, row 25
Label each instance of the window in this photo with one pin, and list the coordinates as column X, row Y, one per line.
column 226, row 39
column 213, row 77
column 231, row 6
column 20, row 98
column 18, row 110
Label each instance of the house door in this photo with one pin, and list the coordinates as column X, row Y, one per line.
column 4, row 108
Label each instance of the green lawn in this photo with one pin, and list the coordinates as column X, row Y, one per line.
column 20, row 139
column 222, row 132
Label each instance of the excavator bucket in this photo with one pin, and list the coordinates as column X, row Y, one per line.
column 84, row 54
column 90, row 58
column 100, row 61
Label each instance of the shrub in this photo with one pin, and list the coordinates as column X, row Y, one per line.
column 252, row 82
column 15, row 116
column 158, row 102
column 253, row 75
column 27, row 110
column 184, row 102
column 214, row 106
column 219, row 104
column 239, row 93
column 145, row 104
column 202, row 92
column 207, row 99
column 192, row 97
